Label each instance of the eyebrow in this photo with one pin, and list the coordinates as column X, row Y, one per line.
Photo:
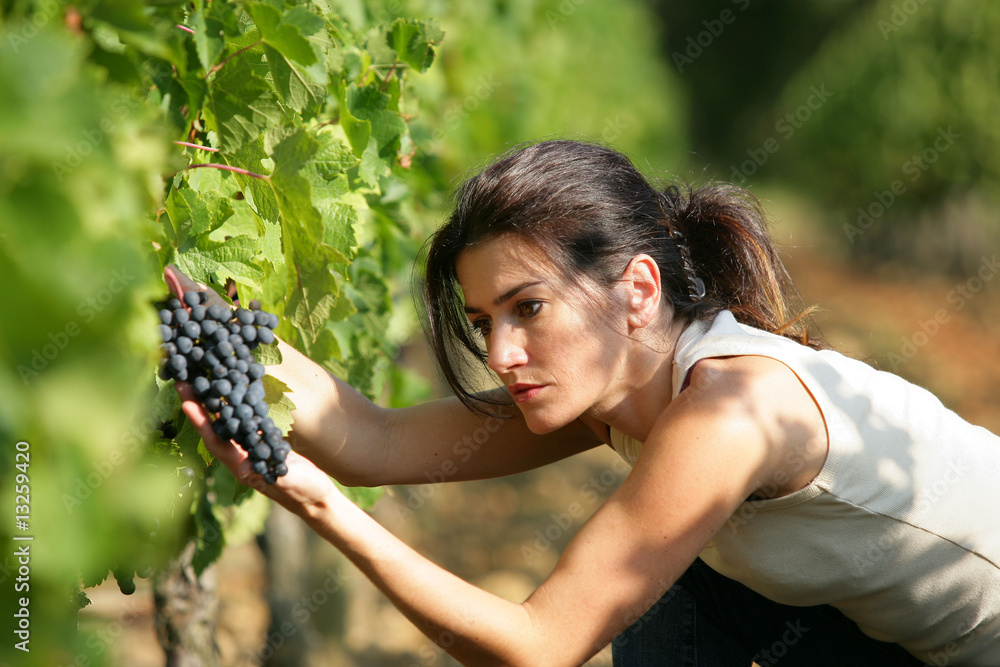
column 505, row 296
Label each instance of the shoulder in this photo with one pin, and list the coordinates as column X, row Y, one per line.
column 759, row 409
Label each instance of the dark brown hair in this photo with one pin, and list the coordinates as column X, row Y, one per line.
column 591, row 211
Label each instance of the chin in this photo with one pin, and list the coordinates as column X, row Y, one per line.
column 542, row 424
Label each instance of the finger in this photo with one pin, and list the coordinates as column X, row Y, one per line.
column 231, row 455
column 179, row 283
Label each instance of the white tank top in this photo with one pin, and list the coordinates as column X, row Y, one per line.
column 900, row 530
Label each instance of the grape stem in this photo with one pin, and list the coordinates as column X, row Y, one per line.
column 190, row 145
column 238, row 170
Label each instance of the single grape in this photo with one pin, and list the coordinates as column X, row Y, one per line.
column 261, row 319
column 191, row 329
column 166, row 317
column 198, row 312
column 244, row 316
column 227, row 412
column 177, row 362
column 208, row 327
column 203, row 297
column 235, row 397
column 254, row 305
column 222, row 387
column 233, row 327
column 270, row 477
column 213, row 404
column 280, row 470
column 232, row 426
column 256, row 371
column 170, row 349
column 181, row 316
column 265, row 336
column 201, row 385
column 218, row 313
column 242, row 366
column 221, row 335
column 262, row 451
column 230, row 361
column 272, row 437
column 260, row 408
column 166, row 333
column 175, row 304
column 191, row 298
column 280, row 452
column 184, row 345
column 260, row 467
column 224, row 348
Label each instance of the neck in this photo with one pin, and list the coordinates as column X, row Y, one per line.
column 643, row 388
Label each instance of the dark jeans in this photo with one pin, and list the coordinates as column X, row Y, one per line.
column 708, row 620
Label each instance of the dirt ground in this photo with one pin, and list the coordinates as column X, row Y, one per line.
column 505, row 535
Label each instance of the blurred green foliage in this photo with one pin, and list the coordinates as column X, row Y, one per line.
column 906, row 151
column 883, row 113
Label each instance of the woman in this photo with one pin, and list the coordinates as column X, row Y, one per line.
column 656, row 323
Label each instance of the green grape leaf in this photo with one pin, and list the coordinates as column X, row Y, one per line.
column 371, row 104
column 269, row 355
column 362, row 496
column 414, row 41
column 258, row 193
column 286, row 38
column 333, row 156
column 196, row 213
column 281, row 406
column 209, row 537
column 230, row 259
column 208, row 41
column 241, row 105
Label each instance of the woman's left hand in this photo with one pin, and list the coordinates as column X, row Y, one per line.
column 303, row 489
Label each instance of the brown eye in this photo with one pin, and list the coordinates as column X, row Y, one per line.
column 528, row 308
column 483, row 326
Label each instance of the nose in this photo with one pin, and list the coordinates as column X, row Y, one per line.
column 505, row 349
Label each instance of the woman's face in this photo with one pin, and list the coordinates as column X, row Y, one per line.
column 557, row 356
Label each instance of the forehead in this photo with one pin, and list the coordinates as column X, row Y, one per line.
column 490, row 268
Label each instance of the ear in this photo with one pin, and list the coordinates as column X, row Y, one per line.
column 643, row 291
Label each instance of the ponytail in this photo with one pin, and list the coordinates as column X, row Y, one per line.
column 724, row 229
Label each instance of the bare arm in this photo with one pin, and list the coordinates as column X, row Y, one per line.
column 362, row 444
column 703, row 458
column 709, row 450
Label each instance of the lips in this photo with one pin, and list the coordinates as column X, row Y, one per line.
column 523, row 391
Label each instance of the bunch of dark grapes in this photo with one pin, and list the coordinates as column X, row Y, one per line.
column 209, row 347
